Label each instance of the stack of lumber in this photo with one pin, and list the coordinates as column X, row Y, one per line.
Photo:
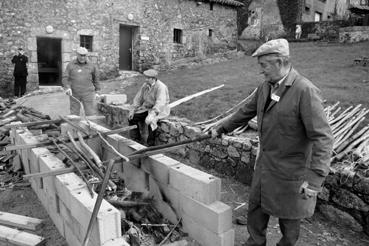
column 14, row 230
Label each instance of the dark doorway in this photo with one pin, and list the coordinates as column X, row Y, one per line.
column 125, row 47
column 49, row 61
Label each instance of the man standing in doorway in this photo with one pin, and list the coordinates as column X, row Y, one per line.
column 20, row 73
column 82, row 83
column 295, row 146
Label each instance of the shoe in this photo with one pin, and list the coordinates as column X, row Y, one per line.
column 241, row 220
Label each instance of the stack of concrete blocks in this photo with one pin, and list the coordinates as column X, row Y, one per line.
column 66, row 198
column 178, row 191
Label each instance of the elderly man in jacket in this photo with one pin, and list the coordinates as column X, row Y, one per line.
column 150, row 104
column 82, row 83
column 295, row 146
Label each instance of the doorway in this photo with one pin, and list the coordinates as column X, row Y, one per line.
column 125, row 47
column 49, row 61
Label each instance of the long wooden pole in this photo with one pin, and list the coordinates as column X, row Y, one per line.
column 99, row 199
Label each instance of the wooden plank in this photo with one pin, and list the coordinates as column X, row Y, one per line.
column 16, row 237
column 20, row 221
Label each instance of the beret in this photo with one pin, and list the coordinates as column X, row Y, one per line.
column 82, row 51
column 151, row 73
column 275, row 46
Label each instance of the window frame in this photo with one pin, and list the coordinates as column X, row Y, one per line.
column 86, row 41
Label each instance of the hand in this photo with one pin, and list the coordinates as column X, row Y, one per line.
column 306, row 192
column 68, row 91
column 131, row 114
column 150, row 117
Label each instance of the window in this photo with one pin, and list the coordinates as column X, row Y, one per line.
column 177, row 37
column 86, row 41
column 211, row 5
column 307, row 9
column 210, row 32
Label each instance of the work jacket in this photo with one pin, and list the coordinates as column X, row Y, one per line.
column 295, row 145
column 154, row 99
column 82, row 78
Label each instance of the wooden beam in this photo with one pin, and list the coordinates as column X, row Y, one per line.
column 20, row 221
column 16, row 237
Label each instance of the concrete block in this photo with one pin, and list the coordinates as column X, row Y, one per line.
column 116, row 242
column 117, row 99
column 158, row 166
column 206, row 237
column 216, row 217
column 194, row 183
column 107, row 225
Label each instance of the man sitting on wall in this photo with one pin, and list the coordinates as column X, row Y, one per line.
column 150, row 104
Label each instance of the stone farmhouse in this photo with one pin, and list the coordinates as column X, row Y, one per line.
column 119, row 34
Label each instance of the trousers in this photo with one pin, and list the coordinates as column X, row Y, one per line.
column 20, row 83
column 137, row 120
column 257, row 223
column 88, row 101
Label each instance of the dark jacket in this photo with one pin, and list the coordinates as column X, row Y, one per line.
column 295, row 146
column 20, row 68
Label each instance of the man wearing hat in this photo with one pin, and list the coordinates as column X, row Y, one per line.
column 20, row 73
column 82, row 83
column 295, row 145
column 150, row 104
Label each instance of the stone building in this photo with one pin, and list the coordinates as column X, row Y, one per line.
column 120, row 34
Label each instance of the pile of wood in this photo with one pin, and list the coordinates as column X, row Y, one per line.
column 19, row 230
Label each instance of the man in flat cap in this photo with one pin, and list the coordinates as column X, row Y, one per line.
column 295, row 145
column 20, row 73
column 150, row 104
column 82, row 83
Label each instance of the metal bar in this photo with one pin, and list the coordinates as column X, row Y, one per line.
column 53, row 172
column 49, row 142
column 159, row 147
column 99, row 199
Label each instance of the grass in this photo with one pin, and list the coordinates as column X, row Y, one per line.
column 329, row 67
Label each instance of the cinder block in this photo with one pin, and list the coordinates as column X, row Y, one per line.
column 117, row 99
column 206, row 237
column 81, row 205
column 216, row 217
column 194, row 183
column 116, row 242
column 158, row 166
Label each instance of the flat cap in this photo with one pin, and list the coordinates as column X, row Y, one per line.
column 151, row 73
column 275, row 46
column 82, row 51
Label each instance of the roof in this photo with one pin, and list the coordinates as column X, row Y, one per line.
column 224, row 2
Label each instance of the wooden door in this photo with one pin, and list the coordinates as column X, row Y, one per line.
column 125, row 48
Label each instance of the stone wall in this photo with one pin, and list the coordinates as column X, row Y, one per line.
column 345, row 196
column 152, row 23
column 354, row 34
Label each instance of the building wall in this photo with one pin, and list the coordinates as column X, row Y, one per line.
column 22, row 21
column 330, row 9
